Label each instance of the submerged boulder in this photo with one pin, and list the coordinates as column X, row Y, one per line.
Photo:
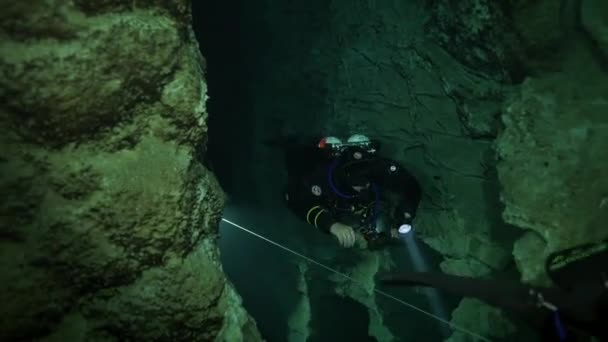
column 109, row 221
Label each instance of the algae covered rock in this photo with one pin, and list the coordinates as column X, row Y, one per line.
column 511, row 38
column 360, row 287
column 530, row 253
column 481, row 319
column 473, row 31
column 551, row 164
column 109, row 220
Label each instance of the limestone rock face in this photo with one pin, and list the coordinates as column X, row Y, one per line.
column 530, row 258
column 475, row 315
column 108, row 219
column 552, row 166
column 518, row 36
column 472, row 31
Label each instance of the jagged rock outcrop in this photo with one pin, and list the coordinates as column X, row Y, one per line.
column 552, row 166
column 299, row 320
column 550, row 146
column 108, row 219
column 475, row 315
column 504, row 40
column 360, row 287
column 474, row 32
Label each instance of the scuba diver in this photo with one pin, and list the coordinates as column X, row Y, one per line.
column 576, row 309
column 345, row 188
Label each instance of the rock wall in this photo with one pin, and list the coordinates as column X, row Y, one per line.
column 109, row 221
column 552, row 162
column 435, row 115
column 477, row 316
column 553, row 133
column 509, row 38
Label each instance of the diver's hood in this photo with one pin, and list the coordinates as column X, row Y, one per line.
column 350, row 173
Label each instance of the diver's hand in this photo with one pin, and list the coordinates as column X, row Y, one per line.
column 345, row 234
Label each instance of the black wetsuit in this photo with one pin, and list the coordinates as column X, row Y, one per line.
column 320, row 192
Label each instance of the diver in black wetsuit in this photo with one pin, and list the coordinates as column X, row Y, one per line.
column 574, row 310
column 345, row 188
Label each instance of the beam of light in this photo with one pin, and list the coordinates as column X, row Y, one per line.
column 420, row 265
column 355, row 281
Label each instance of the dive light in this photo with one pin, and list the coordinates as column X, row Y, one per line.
column 405, row 228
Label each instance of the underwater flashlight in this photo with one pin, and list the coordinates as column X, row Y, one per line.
column 405, row 228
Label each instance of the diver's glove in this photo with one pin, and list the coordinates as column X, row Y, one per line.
column 344, row 233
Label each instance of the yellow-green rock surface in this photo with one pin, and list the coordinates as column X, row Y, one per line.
column 109, row 221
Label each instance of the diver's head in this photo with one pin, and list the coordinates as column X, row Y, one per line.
column 354, row 171
column 355, row 174
column 351, row 171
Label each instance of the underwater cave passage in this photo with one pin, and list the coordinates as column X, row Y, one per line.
column 279, row 70
column 240, row 48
